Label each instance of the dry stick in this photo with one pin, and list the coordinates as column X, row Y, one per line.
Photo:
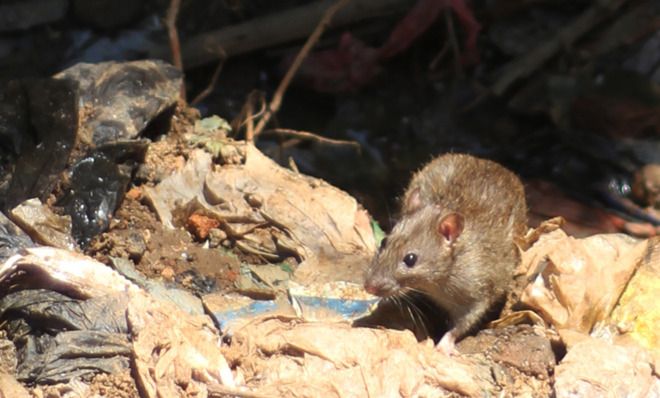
column 218, row 390
column 527, row 64
column 306, row 135
column 214, row 80
column 250, row 115
column 275, row 103
column 278, row 28
column 433, row 65
column 175, row 46
column 453, row 41
column 242, row 118
column 249, row 120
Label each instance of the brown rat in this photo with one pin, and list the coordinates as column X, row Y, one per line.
column 455, row 242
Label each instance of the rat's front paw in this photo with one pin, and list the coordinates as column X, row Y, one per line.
column 447, row 345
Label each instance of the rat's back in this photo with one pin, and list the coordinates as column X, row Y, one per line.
column 486, row 193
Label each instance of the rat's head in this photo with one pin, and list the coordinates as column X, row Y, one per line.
column 418, row 252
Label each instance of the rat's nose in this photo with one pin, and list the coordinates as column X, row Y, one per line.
column 378, row 287
column 371, row 288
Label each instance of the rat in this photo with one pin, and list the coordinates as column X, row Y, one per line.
column 462, row 218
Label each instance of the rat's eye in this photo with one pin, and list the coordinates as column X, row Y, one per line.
column 410, row 259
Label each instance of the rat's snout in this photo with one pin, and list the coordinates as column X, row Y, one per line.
column 379, row 286
column 371, row 288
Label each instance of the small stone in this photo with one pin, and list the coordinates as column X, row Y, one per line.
column 216, row 236
column 167, row 273
column 135, row 246
column 254, row 200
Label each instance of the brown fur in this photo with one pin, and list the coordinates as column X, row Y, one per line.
column 468, row 273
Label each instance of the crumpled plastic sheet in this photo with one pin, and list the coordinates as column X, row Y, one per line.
column 286, row 357
column 597, row 368
column 273, row 212
column 172, row 352
column 12, row 238
column 577, row 282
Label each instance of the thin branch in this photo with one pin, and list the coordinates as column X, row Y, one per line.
column 275, row 29
column 214, row 80
column 433, row 65
column 247, row 116
column 453, row 40
column 275, row 103
column 218, row 390
column 175, row 46
column 306, row 135
column 534, row 59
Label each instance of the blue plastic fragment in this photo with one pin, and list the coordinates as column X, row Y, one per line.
column 254, row 308
column 346, row 308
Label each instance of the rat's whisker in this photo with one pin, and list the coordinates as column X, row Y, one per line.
column 421, row 315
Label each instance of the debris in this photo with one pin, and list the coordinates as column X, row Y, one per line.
column 330, row 301
column 293, row 358
column 637, row 313
column 596, row 368
column 121, row 98
column 29, row 13
column 59, row 338
column 10, row 387
column 171, row 350
column 577, row 282
column 44, row 226
column 96, row 189
column 106, row 14
column 12, row 238
column 227, row 309
column 274, row 105
column 115, row 103
column 179, row 188
column 547, row 200
column 529, row 62
column 259, row 33
column 210, row 133
column 200, row 225
column 286, row 224
column 183, row 299
column 619, row 104
column 646, row 186
column 52, row 106
column 520, row 357
column 354, row 64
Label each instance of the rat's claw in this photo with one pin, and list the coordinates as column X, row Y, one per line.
column 447, row 345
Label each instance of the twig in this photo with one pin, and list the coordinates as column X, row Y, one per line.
column 453, row 41
column 277, row 28
column 306, row 135
column 217, row 391
column 249, row 121
column 214, row 80
column 275, row 103
column 433, row 65
column 175, row 46
column 527, row 64
column 246, row 116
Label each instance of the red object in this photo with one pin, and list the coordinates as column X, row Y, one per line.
column 353, row 64
column 200, row 225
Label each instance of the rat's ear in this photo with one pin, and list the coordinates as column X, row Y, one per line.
column 450, row 227
column 412, row 201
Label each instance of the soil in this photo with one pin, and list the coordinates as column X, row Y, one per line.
column 118, row 385
column 136, row 233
